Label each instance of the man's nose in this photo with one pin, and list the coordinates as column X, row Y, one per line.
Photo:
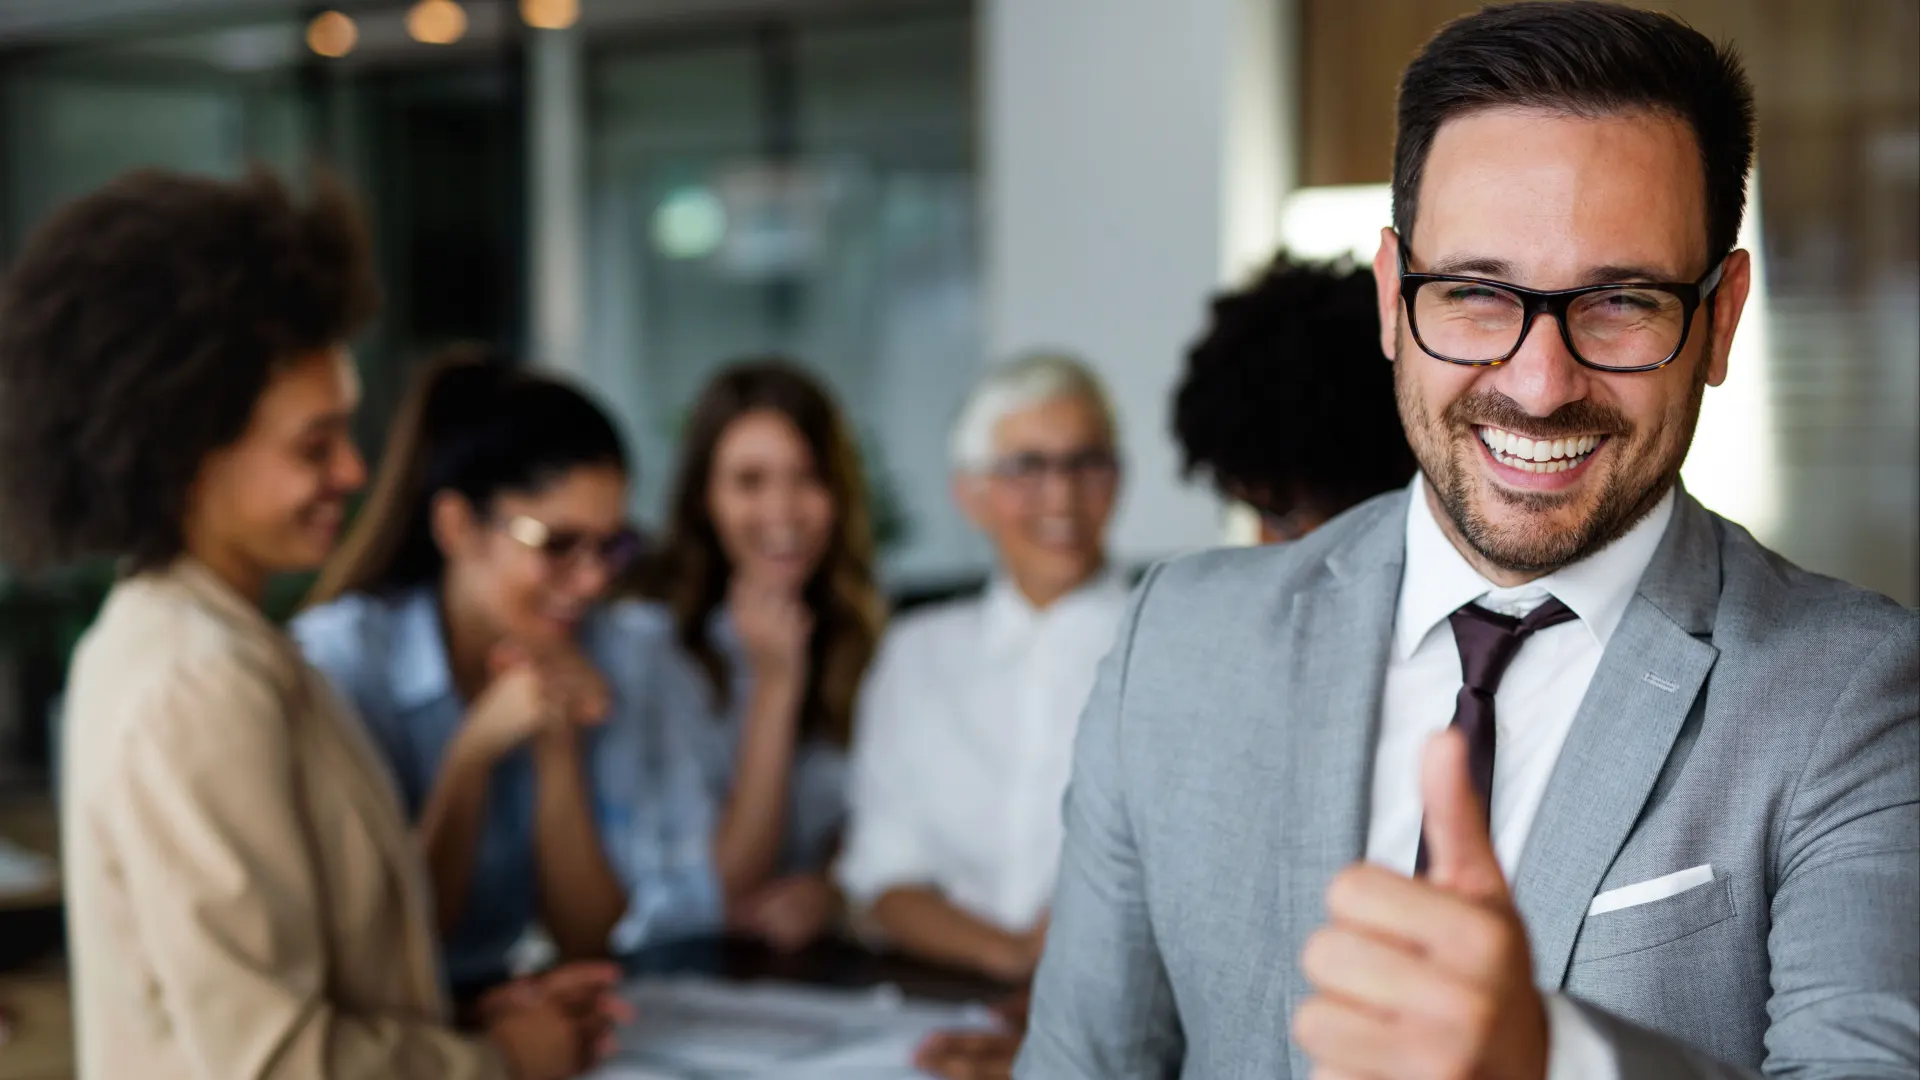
column 1543, row 375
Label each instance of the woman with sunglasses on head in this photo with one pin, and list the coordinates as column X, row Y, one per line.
column 243, row 899
column 765, row 584
column 462, row 616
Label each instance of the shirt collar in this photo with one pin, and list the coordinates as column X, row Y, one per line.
column 1007, row 610
column 417, row 665
column 214, row 594
column 1438, row 580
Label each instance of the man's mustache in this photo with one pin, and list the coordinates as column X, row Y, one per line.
column 1490, row 408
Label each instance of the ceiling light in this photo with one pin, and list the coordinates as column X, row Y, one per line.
column 332, row 33
column 549, row 14
column 437, row 22
column 689, row 223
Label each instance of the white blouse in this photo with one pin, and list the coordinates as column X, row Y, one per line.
column 963, row 744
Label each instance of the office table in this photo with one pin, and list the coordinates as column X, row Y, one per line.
column 833, row 963
column 727, row 1009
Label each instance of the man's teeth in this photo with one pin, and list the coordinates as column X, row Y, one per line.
column 1537, row 455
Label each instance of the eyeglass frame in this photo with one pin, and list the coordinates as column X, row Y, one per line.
column 1556, row 302
column 1077, row 468
column 534, row 535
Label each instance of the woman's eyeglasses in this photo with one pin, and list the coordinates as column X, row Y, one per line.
column 569, row 548
column 1027, row 472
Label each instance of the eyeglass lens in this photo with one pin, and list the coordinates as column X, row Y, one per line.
column 1616, row 328
column 1033, row 467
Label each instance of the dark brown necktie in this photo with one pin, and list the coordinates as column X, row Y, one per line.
column 1488, row 643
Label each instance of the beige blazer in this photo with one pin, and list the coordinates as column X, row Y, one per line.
column 244, row 901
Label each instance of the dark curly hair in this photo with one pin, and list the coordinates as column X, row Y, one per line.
column 1287, row 402
column 137, row 330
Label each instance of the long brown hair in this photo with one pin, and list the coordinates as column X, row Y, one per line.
column 690, row 572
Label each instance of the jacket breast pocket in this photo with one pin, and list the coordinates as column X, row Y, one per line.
column 1657, row 922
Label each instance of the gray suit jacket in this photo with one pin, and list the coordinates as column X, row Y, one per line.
column 1746, row 714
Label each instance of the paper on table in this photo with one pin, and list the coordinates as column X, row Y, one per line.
column 700, row 1029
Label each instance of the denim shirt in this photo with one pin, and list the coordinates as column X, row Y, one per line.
column 651, row 801
column 817, row 786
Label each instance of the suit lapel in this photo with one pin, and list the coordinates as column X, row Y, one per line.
column 1652, row 671
column 1332, row 664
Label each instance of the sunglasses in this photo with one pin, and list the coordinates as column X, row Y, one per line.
column 614, row 551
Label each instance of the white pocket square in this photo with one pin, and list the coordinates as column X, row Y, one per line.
column 1646, row 892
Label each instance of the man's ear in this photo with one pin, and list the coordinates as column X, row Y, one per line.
column 1728, row 302
column 1386, row 283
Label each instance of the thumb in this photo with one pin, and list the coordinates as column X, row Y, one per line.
column 1460, row 857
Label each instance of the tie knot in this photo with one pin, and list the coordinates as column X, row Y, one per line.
column 1488, row 640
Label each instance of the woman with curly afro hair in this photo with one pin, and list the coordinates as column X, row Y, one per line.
column 1287, row 403
column 243, row 898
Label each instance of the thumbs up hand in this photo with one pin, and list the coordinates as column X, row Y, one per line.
column 1429, row 977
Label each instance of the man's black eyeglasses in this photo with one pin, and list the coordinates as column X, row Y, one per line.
column 1637, row 326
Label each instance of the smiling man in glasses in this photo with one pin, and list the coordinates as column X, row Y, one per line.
column 965, row 730
column 1540, row 768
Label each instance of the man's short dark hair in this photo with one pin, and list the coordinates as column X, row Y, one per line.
column 137, row 330
column 1287, row 401
column 1583, row 58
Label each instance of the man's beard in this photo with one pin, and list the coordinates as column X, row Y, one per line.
column 1634, row 485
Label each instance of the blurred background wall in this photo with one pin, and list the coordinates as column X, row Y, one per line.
column 899, row 191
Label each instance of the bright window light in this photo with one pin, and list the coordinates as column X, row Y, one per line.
column 1344, row 219
column 1734, row 467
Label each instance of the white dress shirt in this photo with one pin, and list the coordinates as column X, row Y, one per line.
column 1533, row 708
column 963, row 741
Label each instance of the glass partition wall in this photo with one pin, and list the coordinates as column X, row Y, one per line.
column 803, row 190
column 762, row 177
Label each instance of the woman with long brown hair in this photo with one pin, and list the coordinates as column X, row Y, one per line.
column 766, row 580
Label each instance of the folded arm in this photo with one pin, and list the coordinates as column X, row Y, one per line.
column 451, row 823
column 891, row 868
column 919, row 920
column 753, row 811
column 580, row 897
